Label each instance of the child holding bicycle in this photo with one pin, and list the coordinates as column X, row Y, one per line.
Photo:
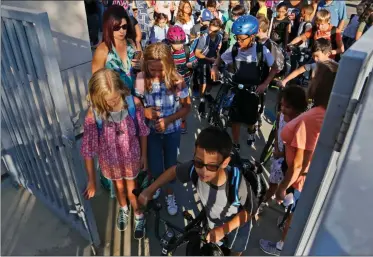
column 121, row 152
column 293, row 103
column 321, row 51
column 211, row 158
column 251, row 66
column 167, row 102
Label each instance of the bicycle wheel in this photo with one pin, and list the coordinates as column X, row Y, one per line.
column 214, row 117
column 267, row 150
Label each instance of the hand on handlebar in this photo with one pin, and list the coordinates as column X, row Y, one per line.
column 215, row 235
column 215, row 74
column 261, row 88
column 144, row 197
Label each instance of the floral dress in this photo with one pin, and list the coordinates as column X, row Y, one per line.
column 114, row 62
column 118, row 153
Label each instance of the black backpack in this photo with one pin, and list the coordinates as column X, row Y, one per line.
column 251, row 171
column 260, row 64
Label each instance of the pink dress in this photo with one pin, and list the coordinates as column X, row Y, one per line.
column 118, row 155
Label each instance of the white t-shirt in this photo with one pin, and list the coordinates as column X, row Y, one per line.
column 187, row 28
column 248, row 55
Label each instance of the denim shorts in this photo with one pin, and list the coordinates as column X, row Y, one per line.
column 239, row 238
column 162, row 151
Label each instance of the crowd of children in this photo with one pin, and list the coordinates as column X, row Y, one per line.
column 139, row 100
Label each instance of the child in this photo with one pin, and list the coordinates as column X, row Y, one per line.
column 324, row 29
column 281, row 26
column 159, row 31
column 293, row 103
column 184, row 58
column 211, row 6
column 321, row 51
column 306, row 23
column 248, row 70
column 237, row 11
column 350, row 31
column 364, row 21
column 166, row 100
column 207, row 51
column 211, row 158
column 120, row 144
column 202, row 27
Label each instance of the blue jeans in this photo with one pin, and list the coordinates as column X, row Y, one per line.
column 162, row 151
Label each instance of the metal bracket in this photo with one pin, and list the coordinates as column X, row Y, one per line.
column 79, row 210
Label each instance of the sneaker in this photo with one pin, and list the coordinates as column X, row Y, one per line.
column 184, row 127
column 260, row 121
column 261, row 207
column 171, row 204
column 269, row 247
column 122, row 220
column 139, row 228
column 202, row 109
column 156, row 194
column 251, row 139
column 237, row 147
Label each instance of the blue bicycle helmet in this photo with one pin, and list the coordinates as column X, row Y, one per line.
column 245, row 25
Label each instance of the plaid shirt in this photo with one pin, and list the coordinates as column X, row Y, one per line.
column 168, row 102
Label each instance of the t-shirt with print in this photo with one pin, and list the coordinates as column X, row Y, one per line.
column 213, row 45
column 302, row 133
column 198, row 30
column 280, row 31
column 295, row 9
column 214, row 198
column 246, row 64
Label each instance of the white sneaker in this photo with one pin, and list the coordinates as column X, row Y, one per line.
column 171, row 204
column 156, row 194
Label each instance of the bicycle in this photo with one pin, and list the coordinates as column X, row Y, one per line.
column 299, row 57
column 193, row 234
column 219, row 108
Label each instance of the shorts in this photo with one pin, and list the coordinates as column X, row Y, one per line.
column 244, row 108
column 238, row 239
column 203, row 74
column 276, row 174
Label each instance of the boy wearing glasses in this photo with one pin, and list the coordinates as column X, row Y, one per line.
column 211, row 158
column 207, row 51
column 250, row 63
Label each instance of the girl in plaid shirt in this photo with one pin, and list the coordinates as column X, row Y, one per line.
column 166, row 101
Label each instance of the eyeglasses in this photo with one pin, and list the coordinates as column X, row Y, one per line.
column 240, row 39
column 210, row 167
column 118, row 27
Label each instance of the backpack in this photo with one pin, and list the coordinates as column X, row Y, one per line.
column 251, row 171
column 260, row 64
column 277, row 53
column 206, row 48
column 131, row 111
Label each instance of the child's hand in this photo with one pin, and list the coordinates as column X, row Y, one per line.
column 214, row 73
column 144, row 163
column 144, row 197
column 152, row 113
column 90, row 191
column 280, row 194
column 261, row 88
column 161, row 124
column 215, row 235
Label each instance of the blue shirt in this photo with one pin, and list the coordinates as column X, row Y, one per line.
column 337, row 10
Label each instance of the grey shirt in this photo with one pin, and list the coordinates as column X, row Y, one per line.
column 214, row 198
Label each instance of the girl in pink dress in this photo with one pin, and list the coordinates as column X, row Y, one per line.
column 118, row 139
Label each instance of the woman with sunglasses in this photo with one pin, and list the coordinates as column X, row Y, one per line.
column 117, row 50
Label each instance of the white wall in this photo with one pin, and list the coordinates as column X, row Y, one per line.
column 68, row 23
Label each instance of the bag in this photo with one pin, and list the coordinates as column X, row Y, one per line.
column 206, row 48
column 278, row 55
column 262, row 67
column 238, row 168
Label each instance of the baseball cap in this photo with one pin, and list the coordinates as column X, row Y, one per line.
column 206, row 15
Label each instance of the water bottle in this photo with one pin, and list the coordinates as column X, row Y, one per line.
column 289, row 199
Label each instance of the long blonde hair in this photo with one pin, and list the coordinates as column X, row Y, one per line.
column 160, row 52
column 180, row 13
column 103, row 82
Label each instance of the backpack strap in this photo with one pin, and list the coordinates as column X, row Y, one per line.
column 234, row 178
column 333, row 37
column 187, row 53
column 234, row 55
column 98, row 121
column 193, row 175
column 132, row 111
column 260, row 59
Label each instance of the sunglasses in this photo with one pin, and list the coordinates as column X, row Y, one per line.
column 210, row 167
column 240, row 39
column 118, row 27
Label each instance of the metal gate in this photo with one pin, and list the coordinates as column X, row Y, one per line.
column 37, row 137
